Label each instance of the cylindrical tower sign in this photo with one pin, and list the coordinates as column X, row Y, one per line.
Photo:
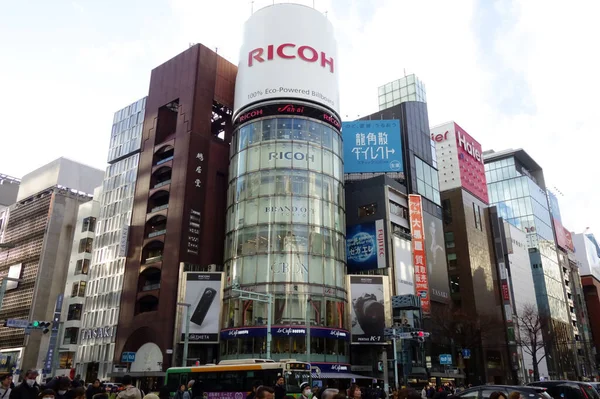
column 289, row 51
column 285, row 210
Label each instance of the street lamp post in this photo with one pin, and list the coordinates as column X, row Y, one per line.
column 308, row 306
column 264, row 298
column 187, row 331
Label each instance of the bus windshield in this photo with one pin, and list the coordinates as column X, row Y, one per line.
column 295, row 378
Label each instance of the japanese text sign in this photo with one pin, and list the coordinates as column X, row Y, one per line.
column 419, row 254
column 372, row 146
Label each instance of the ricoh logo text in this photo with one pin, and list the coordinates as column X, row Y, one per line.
column 290, row 51
column 297, row 156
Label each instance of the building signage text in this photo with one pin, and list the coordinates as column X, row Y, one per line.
column 469, row 147
column 289, row 109
column 286, row 268
column 290, row 51
column 100, row 332
column 419, row 254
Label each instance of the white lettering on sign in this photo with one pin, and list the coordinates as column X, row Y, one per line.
column 100, row 332
column 469, row 147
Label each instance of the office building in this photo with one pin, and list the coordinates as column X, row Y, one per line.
column 41, row 228
column 100, row 313
column 178, row 216
column 76, row 284
column 516, row 187
column 285, row 208
column 407, row 88
column 9, row 188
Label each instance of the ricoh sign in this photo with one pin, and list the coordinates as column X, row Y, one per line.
column 279, row 59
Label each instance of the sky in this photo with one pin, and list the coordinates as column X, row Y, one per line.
column 513, row 74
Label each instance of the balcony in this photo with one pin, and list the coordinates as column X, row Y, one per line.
column 153, row 259
column 161, row 177
column 145, row 304
column 164, row 160
column 156, row 226
column 152, row 252
column 149, row 280
column 158, row 201
column 163, row 155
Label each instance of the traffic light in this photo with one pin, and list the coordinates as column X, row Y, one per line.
column 418, row 335
column 41, row 325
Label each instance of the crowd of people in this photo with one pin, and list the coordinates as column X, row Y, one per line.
column 65, row 388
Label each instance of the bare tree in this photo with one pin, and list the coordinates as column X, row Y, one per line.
column 531, row 339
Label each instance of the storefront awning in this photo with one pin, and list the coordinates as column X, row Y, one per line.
column 339, row 376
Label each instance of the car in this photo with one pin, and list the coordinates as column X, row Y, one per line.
column 596, row 386
column 568, row 389
column 112, row 386
column 484, row 392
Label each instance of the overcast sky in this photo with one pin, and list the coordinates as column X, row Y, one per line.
column 511, row 73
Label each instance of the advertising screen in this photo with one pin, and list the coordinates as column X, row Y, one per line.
column 418, row 251
column 365, row 246
column 372, row 146
column 472, row 168
column 405, row 273
column 203, row 293
column 563, row 236
column 436, row 258
column 368, row 309
column 284, row 59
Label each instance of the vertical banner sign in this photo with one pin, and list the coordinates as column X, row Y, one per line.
column 365, row 246
column 381, row 263
column 419, row 255
column 49, row 360
column 203, row 293
column 368, row 309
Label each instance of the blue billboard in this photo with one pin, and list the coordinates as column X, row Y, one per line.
column 372, row 146
column 365, row 246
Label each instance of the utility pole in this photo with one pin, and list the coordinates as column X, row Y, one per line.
column 186, row 338
column 308, row 306
column 256, row 297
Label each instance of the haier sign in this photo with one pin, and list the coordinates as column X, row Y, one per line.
column 372, row 146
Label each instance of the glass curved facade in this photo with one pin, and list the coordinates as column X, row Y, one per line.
column 286, row 236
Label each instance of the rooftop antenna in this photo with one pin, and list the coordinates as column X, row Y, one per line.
column 251, row 7
column 404, row 72
column 216, row 50
column 326, row 13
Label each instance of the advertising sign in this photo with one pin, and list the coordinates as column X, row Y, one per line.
column 372, row 146
column 419, row 254
column 587, row 255
column 436, row 258
column 446, row 359
column 283, row 60
column 365, row 246
column 293, row 109
column 563, row 236
column 368, row 309
column 404, row 271
column 472, row 168
column 285, row 331
column 203, row 293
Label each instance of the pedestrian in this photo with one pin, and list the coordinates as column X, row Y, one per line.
column 129, row 391
column 93, row 389
column 5, row 382
column 329, row 393
column 306, row 392
column 151, row 396
column 264, row 392
column 252, row 393
column 188, row 392
column 425, row 392
column 354, row 392
column 28, row 389
column 47, row 394
column 179, row 394
column 78, row 393
column 164, row 392
column 62, row 388
column 280, row 390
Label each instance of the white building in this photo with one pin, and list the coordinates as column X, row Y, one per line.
column 103, row 294
column 523, row 290
column 75, row 286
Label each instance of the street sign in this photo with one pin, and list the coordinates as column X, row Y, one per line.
column 428, row 365
column 466, row 353
column 17, row 323
column 446, row 359
column 128, row 357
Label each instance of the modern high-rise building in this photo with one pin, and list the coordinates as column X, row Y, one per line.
column 76, row 284
column 472, row 265
column 178, row 217
column 516, row 187
column 9, row 188
column 285, row 208
column 40, row 229
column 407, row 88
column 100, row 313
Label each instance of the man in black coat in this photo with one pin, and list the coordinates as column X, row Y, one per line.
column 280, row 391
column 28, row 389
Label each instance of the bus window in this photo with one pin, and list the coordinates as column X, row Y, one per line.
column 295, row 378
column 173, row 382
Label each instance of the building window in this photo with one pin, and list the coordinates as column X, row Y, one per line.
column 447, row 211
column 449, row 237
column 74, row 313
column 82, row 266
column 477, row 216
column 452, row 264
column 85, row 245
column 89, row 224
column 398, row 210
column 367, row 210
column 71, row 335
column 66, row 360
column 427, row 181
column 454, row 284
column 78, row 289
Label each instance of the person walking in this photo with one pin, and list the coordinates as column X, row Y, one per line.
column 62, row 388
column 354, row 392
column 28, row 389
column 129, row 391
column 5, row 382
column 93, row 389
column 279, row 388
column 188, row 393
column 306, row 392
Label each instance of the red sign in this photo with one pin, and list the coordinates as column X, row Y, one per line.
column 418, row 249
column 288, row 51
column 472, row 169
column 563, row 236
column 505, row 291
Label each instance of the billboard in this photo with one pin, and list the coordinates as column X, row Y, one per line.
column 419, row 255
column 365, row 246
column 368, row 316
column 554, row 208
column 372, row 146
column 471, row 166
column 563, row 236
column 587, row 255
column 437, row 266
column 404, row 271
column 279, row 59
column 203, row 292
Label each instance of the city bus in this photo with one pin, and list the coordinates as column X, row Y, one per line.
column 233, row 379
